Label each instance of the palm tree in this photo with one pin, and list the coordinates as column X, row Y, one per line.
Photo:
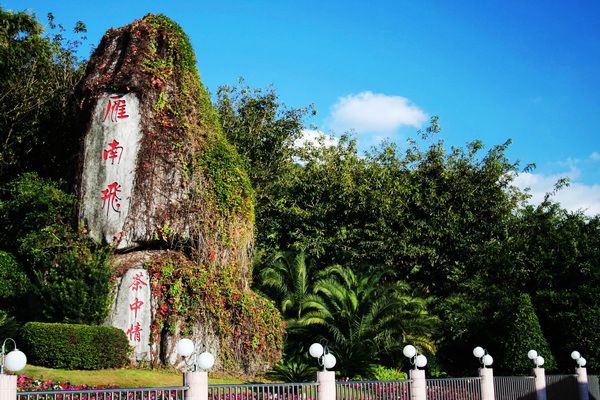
column 288, row 279
column 366, row 319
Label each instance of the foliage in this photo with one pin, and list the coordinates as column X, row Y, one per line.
column 367, row 321
column 363, row 319
column 294, row 369
column 289, row 279
column 37, row 76
column 73, row 346
column 381, row 373
column 30, row 203
column 249, row 328
column 69, row 275
column 264, row 132
column 560, row 252
column 28, row 384
column 8, row 325
column 15, row 282
column 523, row 333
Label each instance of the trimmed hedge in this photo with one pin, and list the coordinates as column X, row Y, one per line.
column 74, row 346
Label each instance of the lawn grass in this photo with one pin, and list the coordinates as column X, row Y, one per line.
column 119, row 377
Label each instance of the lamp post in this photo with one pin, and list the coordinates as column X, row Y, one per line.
column 203, row 361
column 536, row 358
column 418, row 385
column 323, row 356
column 13, row 361
column 418, row 360
column 325, row 379
column 539, row 374
column 484, row 358
column 581, row 372
column 486, row 373
column 196, row 367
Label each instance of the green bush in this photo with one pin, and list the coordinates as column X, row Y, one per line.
column 8, row 325
column 73, row 276
column 30, row 203
column 15, row 282
column 72, row 346
column 523, row 333
column 381, row 373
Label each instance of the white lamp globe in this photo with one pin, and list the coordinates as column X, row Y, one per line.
column 15, row 360
column 315, row 350
column 185, row 347
column 487, row 360
column 532, row 354
column 581, row 361
column 329, row 361
column 409, row 351
column 539, row 361
column 421, row 361
column 478, row 352
column 575, row 355
column 206, row 360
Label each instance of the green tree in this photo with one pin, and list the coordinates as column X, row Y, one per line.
column 69, row 275
column 520, row 332
column 289, row 279
column 559, row 253
column 367, row 321
column 264, row 132
column 38, row 74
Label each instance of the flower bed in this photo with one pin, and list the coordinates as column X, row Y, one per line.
column 27, row 384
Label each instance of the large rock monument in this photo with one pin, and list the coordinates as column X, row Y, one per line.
column 159, row 182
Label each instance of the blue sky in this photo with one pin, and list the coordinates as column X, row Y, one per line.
column 491, row 70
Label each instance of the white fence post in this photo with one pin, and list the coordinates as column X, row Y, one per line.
column 582, row 383
column 197, row 383
column 540, row 383
column 418, row 384
column 326, row 385
column 8, row 387
column 487, row 383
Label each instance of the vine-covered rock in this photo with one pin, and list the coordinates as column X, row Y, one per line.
column 159, row 181
column 155, row 168
column 243, row 328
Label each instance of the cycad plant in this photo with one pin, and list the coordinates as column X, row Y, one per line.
column 366, row 319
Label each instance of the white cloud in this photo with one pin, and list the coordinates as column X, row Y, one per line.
column 576, row 197
column 315, row 138
column 369, row 112
column 595, row 156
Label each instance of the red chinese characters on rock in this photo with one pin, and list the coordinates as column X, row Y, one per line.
column 137, row 282
column 115, row 109
column 134, row 331
column 135, row 306
column 113, row 152
column 110, row 199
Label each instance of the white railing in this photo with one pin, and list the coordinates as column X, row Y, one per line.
column 272, row 391
column 373, row 390
column 158, row 393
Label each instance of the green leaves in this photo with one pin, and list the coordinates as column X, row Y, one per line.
column 38, row 75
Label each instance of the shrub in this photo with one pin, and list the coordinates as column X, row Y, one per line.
column 28, row 204
column 72, row 275
column 381, row 373
column 15, row 282
column 72, row 346
column 8, row 325
column 523, row 333
column 294, row 369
